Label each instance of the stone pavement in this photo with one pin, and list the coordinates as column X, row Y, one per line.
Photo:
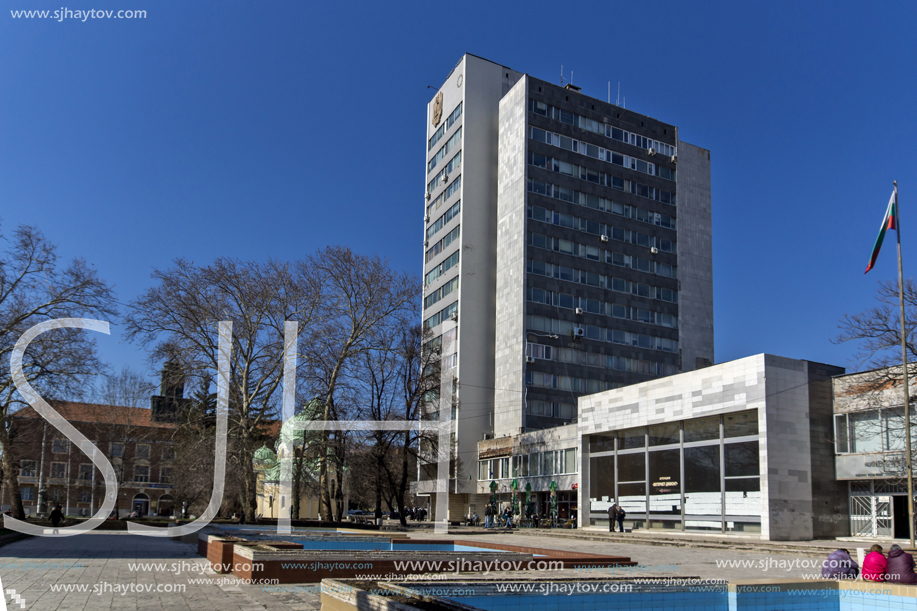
column 122, row 571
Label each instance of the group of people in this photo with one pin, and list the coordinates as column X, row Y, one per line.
column 897, row 567
column 616, row 514
column 493, row 518
column 417, row 514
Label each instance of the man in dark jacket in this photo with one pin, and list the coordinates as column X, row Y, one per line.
column 840, row 565
column 56, row 516
column 900, row 566
column 621, row 515
column 612, row 517
column 487, row 516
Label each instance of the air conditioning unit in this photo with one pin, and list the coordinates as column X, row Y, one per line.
column 530, row 359
column 426, row 242
column 427, row 195
column 426, row 218
column 445, row 178
column 579, row 332
column 674, row 158
column 453, row 317
column 651, row 151
column 579, row 310
column 604, row 238
column 654, row 250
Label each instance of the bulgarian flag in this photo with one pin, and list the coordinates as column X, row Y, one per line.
column 889, row 222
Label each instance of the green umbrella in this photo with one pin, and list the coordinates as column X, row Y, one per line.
column 553, row 488
column 515, row 488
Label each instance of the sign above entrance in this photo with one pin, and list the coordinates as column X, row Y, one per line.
column 870, row 466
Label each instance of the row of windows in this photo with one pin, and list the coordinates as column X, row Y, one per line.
column 597, row 152
column 443, row 197
column 879, row 430
column 605, row 205
column 565, row 327
column 598, row 280
column 447, row 216
column 444, row 243
column 434, row 274
column 59, row 471
column 445, row 126
column 620, row 234
column 594, row 253
column 552, row 462
column 441, row 292
column 614, row 336
column 596, row 306
column 537, row 379
column 445, row 150
column 437, row 343
column 606, row 180
column 621, row 135
column 442, row 315
column 596, row 359
column 552, row 409
column 141, row 450
column 443, row 174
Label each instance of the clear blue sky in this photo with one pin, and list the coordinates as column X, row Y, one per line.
column 258, row 130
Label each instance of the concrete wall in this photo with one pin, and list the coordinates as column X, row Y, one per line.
column 829, row 496
column 695, row 256
column 509, row 361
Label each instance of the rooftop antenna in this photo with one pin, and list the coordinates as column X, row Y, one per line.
column 618, row 99
column 609, row 92
column 571, row 77
column 561, row 74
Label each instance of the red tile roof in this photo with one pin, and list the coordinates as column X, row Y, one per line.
column 73, row 411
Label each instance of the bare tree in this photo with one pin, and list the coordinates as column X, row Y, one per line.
column 360, row 295
column 180, row 318
column 34, row 287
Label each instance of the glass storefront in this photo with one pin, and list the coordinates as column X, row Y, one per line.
column 700, row 474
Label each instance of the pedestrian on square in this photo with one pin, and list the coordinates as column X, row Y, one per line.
column 900, row 566
column 875, row 566
column 487, row 516
column 56, row 516
column 840, row 565
column 612, row 517
column 621, row 514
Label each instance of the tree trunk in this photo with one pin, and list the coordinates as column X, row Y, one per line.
column 10, row 474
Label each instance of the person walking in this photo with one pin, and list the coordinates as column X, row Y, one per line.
column 487, row 516
column 621, row 514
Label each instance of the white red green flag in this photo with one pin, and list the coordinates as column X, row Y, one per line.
column 889, row 222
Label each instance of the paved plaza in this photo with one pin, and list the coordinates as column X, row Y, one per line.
column 122, row 571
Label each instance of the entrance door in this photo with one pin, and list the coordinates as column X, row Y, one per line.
column 901, row 517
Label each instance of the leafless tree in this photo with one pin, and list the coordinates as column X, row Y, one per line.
column 35, row 287
column 179, row 317
column 360, row 295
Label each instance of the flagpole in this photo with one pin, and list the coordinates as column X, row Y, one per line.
column 907, row 407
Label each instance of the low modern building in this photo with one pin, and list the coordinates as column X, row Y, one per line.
column 869, row 436
column 743, row 447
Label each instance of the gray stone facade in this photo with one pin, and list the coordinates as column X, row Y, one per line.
column 791, row 400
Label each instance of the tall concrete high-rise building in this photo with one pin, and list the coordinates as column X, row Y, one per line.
column 567, row 251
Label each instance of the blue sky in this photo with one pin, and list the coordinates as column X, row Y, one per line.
column 258, row 130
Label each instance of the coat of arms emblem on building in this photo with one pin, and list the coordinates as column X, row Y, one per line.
column 437, row 108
